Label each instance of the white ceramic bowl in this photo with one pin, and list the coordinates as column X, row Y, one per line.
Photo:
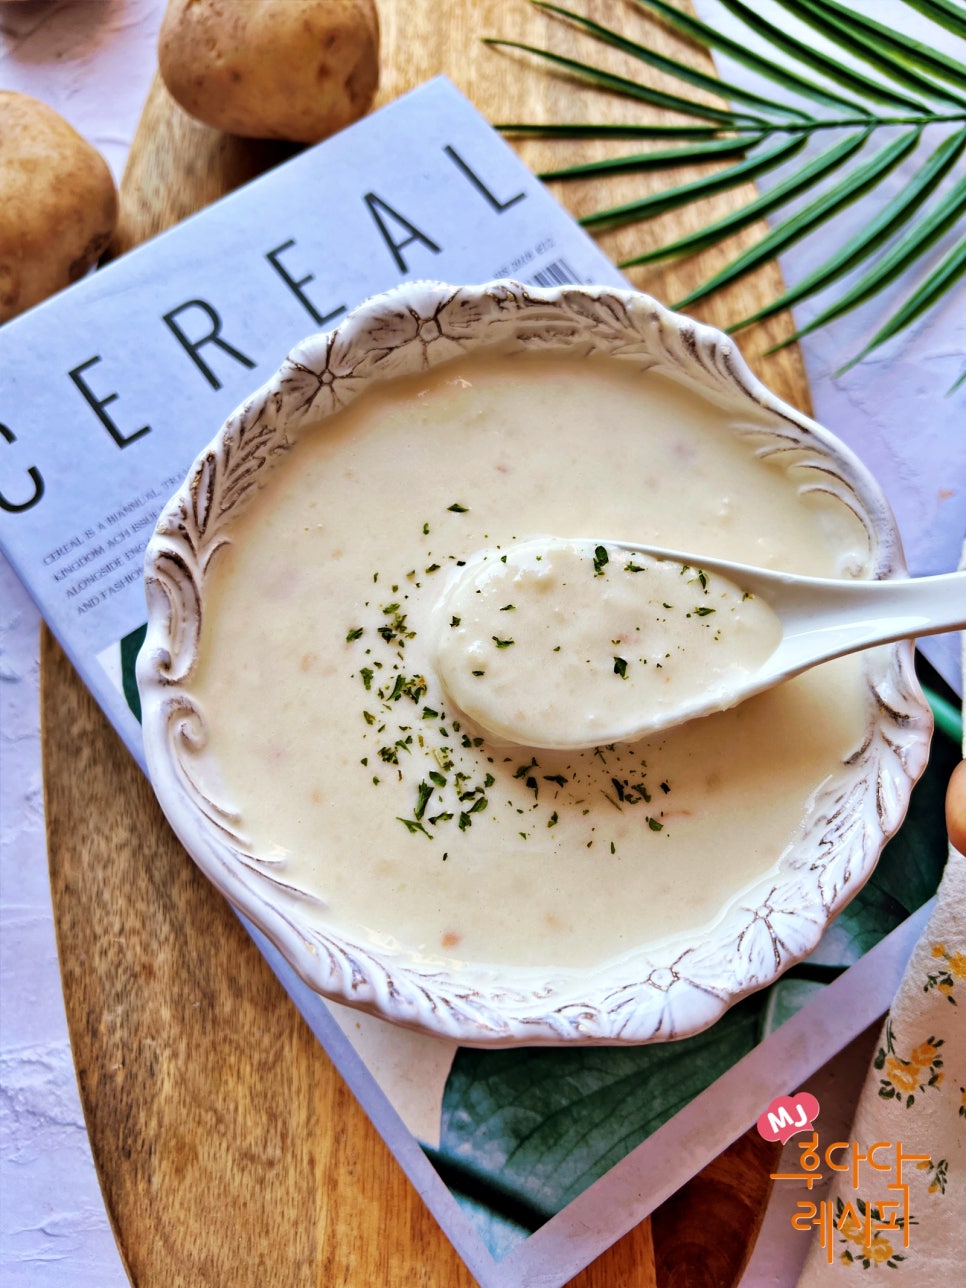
column 657, row 991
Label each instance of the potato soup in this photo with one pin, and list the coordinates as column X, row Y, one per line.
column 359, row 781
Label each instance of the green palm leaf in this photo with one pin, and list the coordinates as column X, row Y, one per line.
column 909, row 83
column 816, row 213
column 864, row 44
column 657, row 203
column 941, row 280
column 711, row 39
column 607, row 130
column 713, row 151
column 886, row 224
column 670, row 65
column 773, row 199
column 830, row 67
column 906, row 51
column 897, row 260
column 630, row 89
column 944, row 12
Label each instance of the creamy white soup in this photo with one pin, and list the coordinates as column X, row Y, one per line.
column 358, row 778
column 564, row 643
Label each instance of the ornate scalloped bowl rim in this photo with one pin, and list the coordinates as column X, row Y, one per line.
column 661, row 991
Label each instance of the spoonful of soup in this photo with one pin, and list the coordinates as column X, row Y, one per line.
column 572, row 642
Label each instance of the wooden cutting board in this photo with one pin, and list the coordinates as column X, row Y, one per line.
column 228, row 1148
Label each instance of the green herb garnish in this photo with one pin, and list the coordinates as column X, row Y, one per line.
column 423, row 793
column 413, row 825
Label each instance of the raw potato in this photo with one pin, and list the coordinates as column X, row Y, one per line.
column 956, row 807
column 272, row 69
column 58, row 203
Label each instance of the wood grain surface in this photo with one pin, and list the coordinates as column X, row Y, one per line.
column 228, row 1148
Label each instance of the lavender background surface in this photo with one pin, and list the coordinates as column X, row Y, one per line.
column 892, row 409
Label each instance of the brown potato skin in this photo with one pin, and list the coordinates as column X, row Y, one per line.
column 956, row 808
column 58, row 203
column 271, row 69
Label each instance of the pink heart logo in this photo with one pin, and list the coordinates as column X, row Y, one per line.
column 788, row 1115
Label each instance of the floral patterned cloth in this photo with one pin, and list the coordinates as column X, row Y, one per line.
column 909, row 1226
column 910, row 1220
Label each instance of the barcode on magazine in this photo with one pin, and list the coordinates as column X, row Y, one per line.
column 557, row 273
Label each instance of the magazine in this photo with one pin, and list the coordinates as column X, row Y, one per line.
column 107, row 393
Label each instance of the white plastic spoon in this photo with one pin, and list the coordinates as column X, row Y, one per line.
column 574, row 642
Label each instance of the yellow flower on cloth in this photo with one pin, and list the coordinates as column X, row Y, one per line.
column 944, row 977
column 909, row 1223
column 922, row 1070
column 867, row 1244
